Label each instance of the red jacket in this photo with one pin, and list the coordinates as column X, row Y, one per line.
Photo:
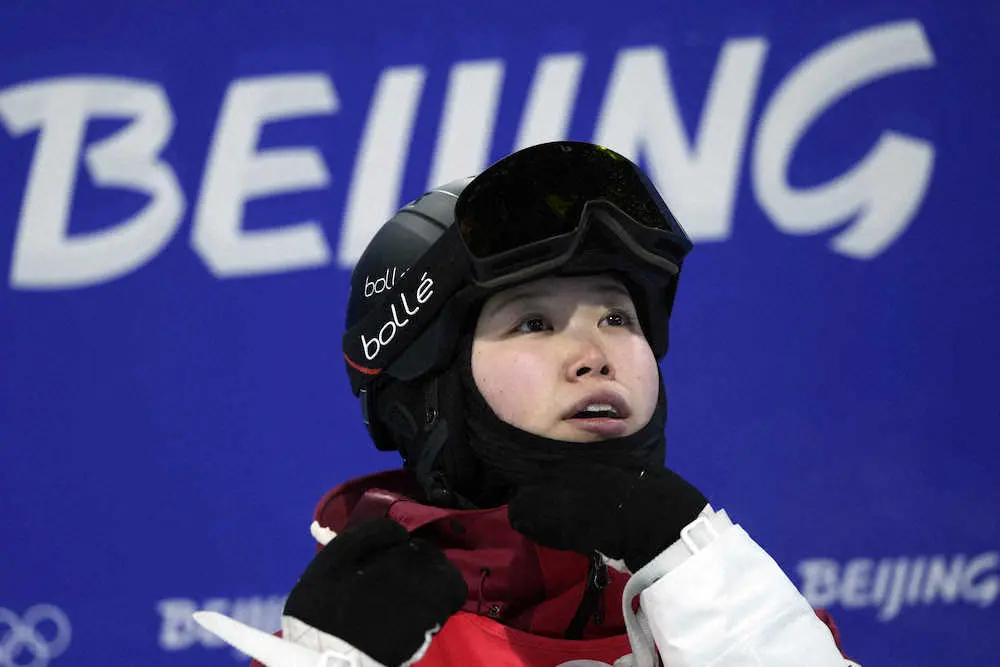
column 522, row 596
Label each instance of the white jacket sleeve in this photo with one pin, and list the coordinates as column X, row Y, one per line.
column 716, row 599
column 300, row 645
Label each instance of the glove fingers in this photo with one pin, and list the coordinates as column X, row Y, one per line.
column 661, row 505
column 630, row 514
column 357, row 545
column 440, row 582
column 386, row 607
column 381, row 591
column 572, row 519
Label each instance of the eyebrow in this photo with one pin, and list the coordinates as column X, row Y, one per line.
column 528, row 294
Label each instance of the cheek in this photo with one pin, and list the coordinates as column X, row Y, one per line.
column 510, row 381
column 647, row 381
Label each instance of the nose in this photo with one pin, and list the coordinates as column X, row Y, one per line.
column 589, row 358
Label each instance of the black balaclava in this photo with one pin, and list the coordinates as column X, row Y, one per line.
column 479, row 460
column 493, row 458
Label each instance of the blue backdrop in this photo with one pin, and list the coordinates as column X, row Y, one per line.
column 185, row 189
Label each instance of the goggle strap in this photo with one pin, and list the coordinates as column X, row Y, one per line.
column 494, row 273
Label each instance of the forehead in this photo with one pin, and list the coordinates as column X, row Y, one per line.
column 571, row 288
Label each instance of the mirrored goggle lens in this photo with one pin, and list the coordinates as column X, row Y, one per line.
column 539, row 193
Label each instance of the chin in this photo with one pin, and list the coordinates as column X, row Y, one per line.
column 584, row 434
column 579, row 439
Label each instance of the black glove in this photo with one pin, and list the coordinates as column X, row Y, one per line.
column 633, row 515
column 378, row 589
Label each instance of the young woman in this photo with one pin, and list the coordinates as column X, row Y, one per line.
column 503, row 335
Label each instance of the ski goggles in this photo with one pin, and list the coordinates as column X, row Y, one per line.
column 524, row 217
column 528, row 213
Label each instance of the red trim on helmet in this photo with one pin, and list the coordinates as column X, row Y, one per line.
column 362, row 369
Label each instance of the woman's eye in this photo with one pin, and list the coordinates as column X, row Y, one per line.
column 618, row 318
column 532, row 324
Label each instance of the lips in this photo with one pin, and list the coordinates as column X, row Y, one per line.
column 600, row 405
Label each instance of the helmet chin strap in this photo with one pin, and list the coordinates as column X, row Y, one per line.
column 439, row 429
column 424, row 420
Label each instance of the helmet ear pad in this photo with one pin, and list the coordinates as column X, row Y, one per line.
column 424, row 419
column 397, row 419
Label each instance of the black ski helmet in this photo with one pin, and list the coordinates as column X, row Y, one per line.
column 399, row 398
column 394, row 249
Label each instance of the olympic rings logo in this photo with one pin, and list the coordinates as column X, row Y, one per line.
column 43, row 634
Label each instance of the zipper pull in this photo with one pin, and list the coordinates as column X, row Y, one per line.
column 600, row 582
column 592, row 605
column 599, row 571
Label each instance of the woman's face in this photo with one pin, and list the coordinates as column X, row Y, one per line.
column 565, row 358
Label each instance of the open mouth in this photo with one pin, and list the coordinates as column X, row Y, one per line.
column 598, row 411
column 603, row 415
column 600, row 405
